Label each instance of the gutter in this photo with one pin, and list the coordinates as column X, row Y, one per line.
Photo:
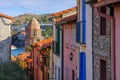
column 113, row 64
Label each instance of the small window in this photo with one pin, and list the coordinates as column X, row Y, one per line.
column 73, row 75
column 103, row 22
column 103, row 71
column 34, row 33
column 67, row 34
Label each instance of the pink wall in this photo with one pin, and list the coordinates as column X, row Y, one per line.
column 117, row 41
column 68, row 48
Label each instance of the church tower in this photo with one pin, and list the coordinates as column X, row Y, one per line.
column 33, row 32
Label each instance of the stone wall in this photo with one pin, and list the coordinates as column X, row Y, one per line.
column 5, row 39
column 101, row 47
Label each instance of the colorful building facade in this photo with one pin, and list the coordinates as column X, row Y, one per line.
column 84, row 41
column 65, row 45
column 41, row 66
column 109, row 13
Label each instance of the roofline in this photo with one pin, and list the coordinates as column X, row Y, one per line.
column 106, row 2
column 64, row 11
column 6, row 16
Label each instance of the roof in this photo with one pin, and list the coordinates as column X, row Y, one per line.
column 69, row 18
column 45, row 42
column 23, row 32
column 33, row 24
column 105, row 2
column 23, row 56
column 64, row 11
column 6, row 16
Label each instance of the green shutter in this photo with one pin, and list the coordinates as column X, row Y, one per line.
column 58, row 41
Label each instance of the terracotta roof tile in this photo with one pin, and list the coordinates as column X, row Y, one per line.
column 6, row 16
column 23, row 32
column 64, row 11
column 43, row 42
column 68, row 19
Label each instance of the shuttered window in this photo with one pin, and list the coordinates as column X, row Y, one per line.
column 78, row 32
column 103, row 71
column 103, row 22
column 73, row 75
column 58, row 40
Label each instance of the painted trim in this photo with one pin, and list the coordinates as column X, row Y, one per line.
column 82, row 66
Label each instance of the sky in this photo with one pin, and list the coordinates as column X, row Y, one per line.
column 18, row 7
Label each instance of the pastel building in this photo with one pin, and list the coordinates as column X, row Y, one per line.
column 5, row 37
column 108, row 12
column 65, row 37
column 84, row 40
column 40, row 62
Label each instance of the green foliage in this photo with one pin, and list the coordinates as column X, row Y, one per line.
column 44, row 18
column 48, row 32
column 29, row 48
column 11, row 71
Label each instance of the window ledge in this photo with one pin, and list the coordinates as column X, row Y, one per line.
column 73, row 46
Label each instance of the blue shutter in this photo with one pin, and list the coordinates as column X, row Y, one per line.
column 84, row 21
column 78, row 32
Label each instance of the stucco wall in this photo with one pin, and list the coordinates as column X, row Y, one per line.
column 117, row 40
column 57, row 64
column 69, row 65
column 101, row 47
column 5, row 39
column 88, row 42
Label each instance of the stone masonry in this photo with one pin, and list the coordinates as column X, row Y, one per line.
column 101, row 47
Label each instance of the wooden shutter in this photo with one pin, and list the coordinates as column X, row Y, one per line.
column 103, row 22
column 103, row 71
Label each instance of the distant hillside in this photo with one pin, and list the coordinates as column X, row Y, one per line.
column 45, row 18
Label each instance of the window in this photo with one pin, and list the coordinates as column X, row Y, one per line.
column 73, row 75
column 73, row 36
column 78, row 32
column 66, row 34
column 58, row 73
column 103, row 71
column 67, row 73
column 58, row 40
column 103, row 22
column 55, row 72
column 34, row 33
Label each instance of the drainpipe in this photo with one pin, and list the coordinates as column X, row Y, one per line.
column 92, row 45
column 113, row 64
column 62, row 52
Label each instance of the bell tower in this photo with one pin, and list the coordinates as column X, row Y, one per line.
column 33, row 32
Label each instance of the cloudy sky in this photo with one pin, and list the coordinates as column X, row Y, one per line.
column 17, row 7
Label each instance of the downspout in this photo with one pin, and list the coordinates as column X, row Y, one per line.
column 92, row 44
column 113, row 64
column 62, row 53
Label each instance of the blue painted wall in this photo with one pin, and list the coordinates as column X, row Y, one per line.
column 82, row 66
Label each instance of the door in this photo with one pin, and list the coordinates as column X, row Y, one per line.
column 82, row 66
